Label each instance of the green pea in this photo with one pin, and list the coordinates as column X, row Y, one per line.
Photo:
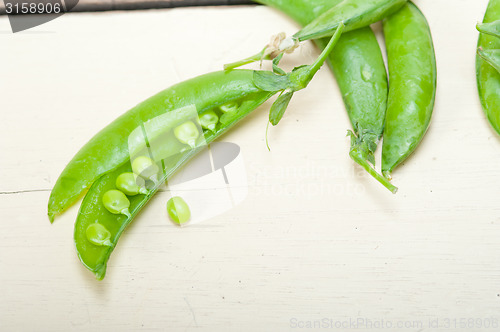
column 146, row 168
column 229, row 107
column 208, row 120
column 99, row 235
column 131, row 184
column 178, row 210
column 187, row 133
column 116, row 202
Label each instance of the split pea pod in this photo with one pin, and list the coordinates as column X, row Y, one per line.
column 353, row 14
column 359, row 69
column 109, row 148
column 488, row 78
column 412, row 88
column 95, row 243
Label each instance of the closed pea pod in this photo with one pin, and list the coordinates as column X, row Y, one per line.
column 488, row 78
column 250, row 96
column 359, row 68
column 412, row 88
column 109, row 149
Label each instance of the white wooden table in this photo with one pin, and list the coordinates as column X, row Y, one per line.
column 316, row 238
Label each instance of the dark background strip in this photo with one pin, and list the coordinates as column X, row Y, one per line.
column 105, row 5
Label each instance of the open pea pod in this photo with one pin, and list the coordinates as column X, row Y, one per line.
column 109, row 148
column 155, row 149
column 168, row 154
column 412, row 88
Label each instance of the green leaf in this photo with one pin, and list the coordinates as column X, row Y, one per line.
column 279, row 107
column 277, row 69
column 490, row 56
column 269, row 81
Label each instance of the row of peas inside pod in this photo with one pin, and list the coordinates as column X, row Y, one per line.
column 146, row 173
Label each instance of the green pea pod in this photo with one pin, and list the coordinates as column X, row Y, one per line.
column 492, row 28
column 358, row 66
column 354, row 14
column 488, row 78
column 412, row 89
column 90, row 250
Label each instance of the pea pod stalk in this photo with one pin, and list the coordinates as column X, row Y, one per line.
column 255, row 87
column 359, row 69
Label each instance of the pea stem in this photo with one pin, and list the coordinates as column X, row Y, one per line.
column 356, row 156
column 326, row 51
column 107, row 243
column 254, row 58
column 126, row 212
